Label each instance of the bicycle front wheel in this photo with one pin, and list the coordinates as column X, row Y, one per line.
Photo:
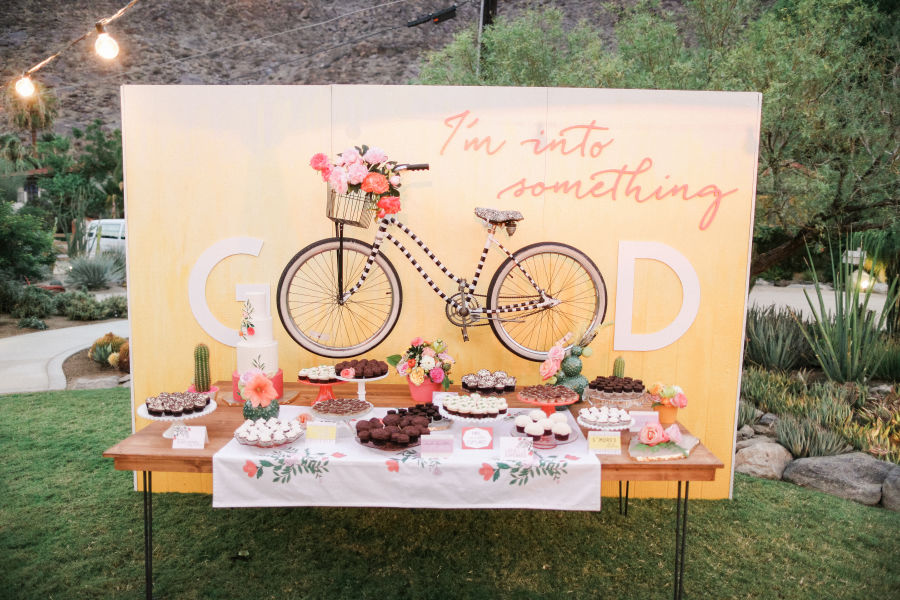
column 308, row 299
column 565, row 274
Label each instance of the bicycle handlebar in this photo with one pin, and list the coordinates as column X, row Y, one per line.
column 407, row 167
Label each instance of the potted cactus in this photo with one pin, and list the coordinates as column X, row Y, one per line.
column 563, row 367
column 201, row 381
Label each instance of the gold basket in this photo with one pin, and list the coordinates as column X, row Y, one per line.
column 354, row 208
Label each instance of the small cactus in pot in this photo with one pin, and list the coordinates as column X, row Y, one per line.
column 259, row 395
column 619, row 367
column 202, row 378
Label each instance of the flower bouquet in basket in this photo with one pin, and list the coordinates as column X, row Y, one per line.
column 426, row 365
column 362, row 174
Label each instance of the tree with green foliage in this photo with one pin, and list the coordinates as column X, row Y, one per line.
column 26, row 247
column 830, row 141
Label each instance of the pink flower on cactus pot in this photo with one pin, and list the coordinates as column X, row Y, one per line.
column 436, row 374
column 556, row 353
column 260, row 391
column 549, row 368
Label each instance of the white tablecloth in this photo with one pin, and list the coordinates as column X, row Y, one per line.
column 349, row 474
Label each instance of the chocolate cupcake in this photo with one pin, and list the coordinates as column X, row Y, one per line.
column 391, row 419
column 364, row 435
column 380, row 437
column 412, row 432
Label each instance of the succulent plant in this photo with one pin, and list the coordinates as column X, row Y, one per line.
column 260, row 412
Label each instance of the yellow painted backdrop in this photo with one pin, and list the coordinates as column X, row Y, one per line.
column 205, row 163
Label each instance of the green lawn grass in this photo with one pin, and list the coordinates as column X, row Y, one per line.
column 71, row 527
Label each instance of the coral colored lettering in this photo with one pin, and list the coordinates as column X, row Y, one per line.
column 562, row 143
column 474, row 143
column 622, row 183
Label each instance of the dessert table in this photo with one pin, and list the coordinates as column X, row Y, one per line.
column 147, row 451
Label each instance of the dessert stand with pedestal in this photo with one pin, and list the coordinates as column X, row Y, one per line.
column 547, row 442
column 361, row 383
column 448, row 417
column 617, row 426
column 325, row 390
column 176, row 421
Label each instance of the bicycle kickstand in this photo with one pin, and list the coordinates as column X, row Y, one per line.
column 464, row 310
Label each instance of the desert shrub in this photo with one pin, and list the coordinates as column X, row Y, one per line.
column 10, row 292
column 31, row 323
column 828, row 406
column 99, row 353
column 125, row 358
column 110, row 339
column 805, row 438
column 83, row 307
column 113, row 360
column 34, row 302
column 94, row 272
column 62, row 300
column 775, row 339
column 118, row 259
column 746, row 414
column 114, row 307
column 26, row 244
column 889, row 367
column 770, row 391
column 873, row 438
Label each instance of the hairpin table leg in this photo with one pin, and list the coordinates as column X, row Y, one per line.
column 148, row 533
column 680, row 537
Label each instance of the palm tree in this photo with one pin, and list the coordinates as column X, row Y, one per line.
column 33, row 114
column 14, row 156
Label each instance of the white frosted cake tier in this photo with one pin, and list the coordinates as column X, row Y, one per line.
column 257, row 348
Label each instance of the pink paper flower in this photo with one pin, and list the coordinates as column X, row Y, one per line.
column 673, row 433
column 556, row 353
column 348, row 373
column 326, row 172
column 319, row 161
column 349, row 156
column 429, row 352
column 249, row 374
column 373, row 156
column 402, row 368
column 679, row 400
column 375, row 183
column 395, row 180
column 388, row 205
column 486, row 471
column 356, row 173
column 446, row 358
column 652, row 434
column 393, row 466
column 260, row 391
column 250, row 468
column 436, row 374
column 338, row 180
column 549, row 368
column 417, row 341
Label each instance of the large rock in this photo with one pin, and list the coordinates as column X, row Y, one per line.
column 766, row 460
column 890, row 490
column 766, row 424
column 745, row 433
column 759, row 439
column 95, row 383
column 855, row 476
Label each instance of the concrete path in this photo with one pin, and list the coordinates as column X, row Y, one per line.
column 33, row 362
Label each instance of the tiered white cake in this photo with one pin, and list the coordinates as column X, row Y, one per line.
column 257, row 348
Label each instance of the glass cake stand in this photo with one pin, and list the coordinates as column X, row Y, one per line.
column 325, row 390
column 547, row 442
column 176, row 421
column 361, row 383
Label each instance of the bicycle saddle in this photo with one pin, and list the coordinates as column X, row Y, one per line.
column 498, row 217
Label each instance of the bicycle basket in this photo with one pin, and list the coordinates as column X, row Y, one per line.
column 353, row 208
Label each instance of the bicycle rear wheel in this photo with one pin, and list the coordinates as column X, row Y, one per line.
column 564, row 273
column 308, row 299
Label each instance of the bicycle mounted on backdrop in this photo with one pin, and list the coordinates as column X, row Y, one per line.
column 341, row 297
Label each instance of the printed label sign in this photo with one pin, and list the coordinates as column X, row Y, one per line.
column 436, row 445
column 605, row 442
column 477, row 438
column 190, row 437
column 321, row 432
column 516, row 448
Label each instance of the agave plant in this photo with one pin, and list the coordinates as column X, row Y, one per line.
column 774, row 338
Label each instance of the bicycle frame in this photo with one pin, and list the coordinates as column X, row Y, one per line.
column 382, row 234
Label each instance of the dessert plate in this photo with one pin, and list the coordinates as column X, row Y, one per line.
column 618, row 426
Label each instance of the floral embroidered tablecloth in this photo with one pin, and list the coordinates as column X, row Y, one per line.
column 349, row 474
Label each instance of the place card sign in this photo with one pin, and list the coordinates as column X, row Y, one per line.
column 436, row 445
column 642, row 417
column 605, row 442
column 519, row 449
column 190, row 437
column 478, row 438
column 321, row 432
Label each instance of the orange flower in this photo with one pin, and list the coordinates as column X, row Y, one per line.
column 486, row 471
column 260, row 391
column 392, row 465
column 375, row 183
column 250, row 468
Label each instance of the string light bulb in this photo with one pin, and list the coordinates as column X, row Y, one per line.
column 105, row 46
column 25, row 87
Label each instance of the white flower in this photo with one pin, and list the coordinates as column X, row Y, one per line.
column 426, row 362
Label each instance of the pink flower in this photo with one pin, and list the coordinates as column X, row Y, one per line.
column 395, row 180
column 373, row 156
column 429, row 352
column 673, row 433
column 556, row 353
column 246, row 376
column 318, row 161
column 486, row 471
column 389, row 205
column 349, row 156
column 250, row 468
column 652, row 434
column 572, row 457
column 338, row 455
column 446, row 358
column 348, row 373
column 260, row 391
column 326, row 172
column 416, row 341
column 549, row 368
column 392, row 465
column 679, row 401
column 402, row 368
column 436, row 374
column 356, row 173
column 375, row 183
column 338, row 180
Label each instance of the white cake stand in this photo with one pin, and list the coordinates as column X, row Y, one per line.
column 361, row 383
column 176, row 421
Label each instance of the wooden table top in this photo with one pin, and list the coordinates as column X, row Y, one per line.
column 147, row 450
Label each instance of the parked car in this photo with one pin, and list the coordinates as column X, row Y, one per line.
column 105, row 234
